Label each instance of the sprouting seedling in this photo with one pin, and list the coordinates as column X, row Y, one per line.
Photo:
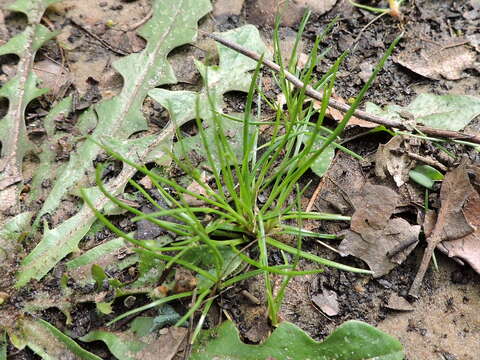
column 393, row 8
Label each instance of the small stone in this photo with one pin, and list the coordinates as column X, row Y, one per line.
column 385, row 283
column 399, row 303
column 327, row 302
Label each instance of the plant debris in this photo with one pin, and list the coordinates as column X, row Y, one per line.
column 436, row 60
column 456, row 195
column 381, row 241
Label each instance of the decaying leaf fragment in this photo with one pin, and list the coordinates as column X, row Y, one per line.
column 392, row 158
column 434, row 60
column 376, row 238
column 456, row 219
column 468, row 247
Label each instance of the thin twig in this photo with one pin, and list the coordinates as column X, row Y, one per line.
column 311, row 92
column 99, row 39
column 314, row 197
column 427, row 161
column 139, row 23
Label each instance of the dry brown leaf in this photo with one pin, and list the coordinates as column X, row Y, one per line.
column 452, row 224
column 434, row 60
column 327, row 302
column 196, row 188
column 392, row 158
column 468, row 247
column 163, row 345
column 54, row 76
column 398, row 303
column 374, row 237
column 302, row 60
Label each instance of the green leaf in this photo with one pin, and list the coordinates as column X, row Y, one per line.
column 354, row 340
column 10, row 232
column 20, row 90
column 104, row 307
column 232, row 74
column 122, row 345
column 96, row 254
column 104, row 255
column 425, row 175
column 3, row 345
column 48, row 167
column 202, row 257
column 142, row 325
column 150, row 269
column 322, row 163
column 68, row 342
column 446, row 112
column 47, row 341
column 140, row 341
column 98, row 275
column 167, row 316
column 172, row 25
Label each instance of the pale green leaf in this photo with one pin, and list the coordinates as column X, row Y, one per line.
column 171, row 25
column 104, row 307
column 48, row 167
column 446, row 112
column 232, row 74
column 47, row 341
column 34, row 9
column 3, row 345
column 98, row 274
column 354, row 340
column 20, row 90
column 10, row 232
column 425, row 175
column 322, row 163
column 96, row 254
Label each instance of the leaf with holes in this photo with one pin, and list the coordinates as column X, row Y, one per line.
column 20, row 90
column 232, row 74
column 171, row 25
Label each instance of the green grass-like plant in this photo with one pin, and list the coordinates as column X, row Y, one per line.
column 228, row 239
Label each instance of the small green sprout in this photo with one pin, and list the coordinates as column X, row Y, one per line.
column 393, row 10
